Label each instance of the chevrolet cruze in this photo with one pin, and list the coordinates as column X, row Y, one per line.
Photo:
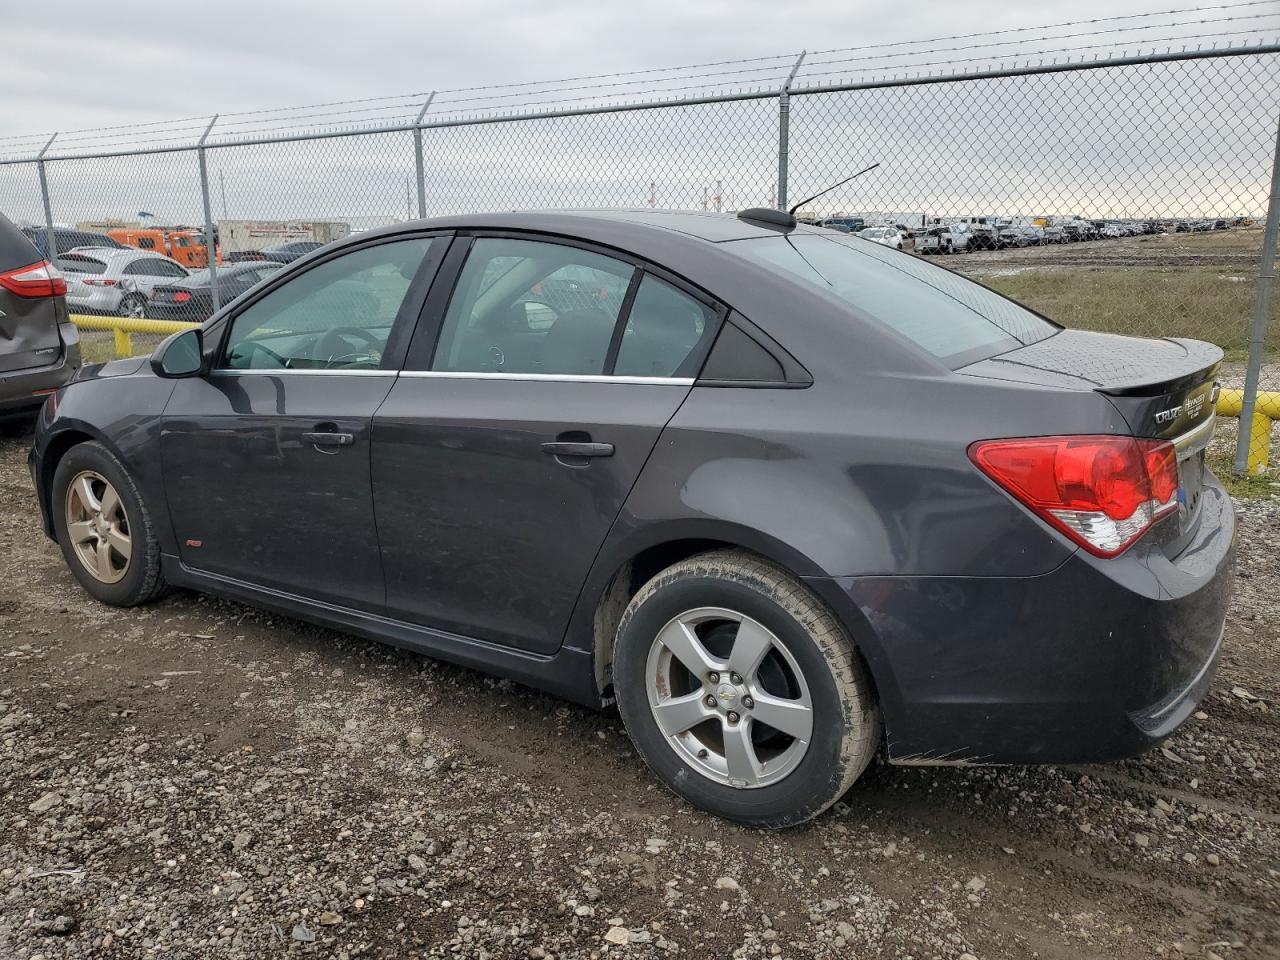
column 787, row 497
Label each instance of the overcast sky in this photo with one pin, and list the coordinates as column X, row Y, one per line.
column 1163, row 140
column 86, row 63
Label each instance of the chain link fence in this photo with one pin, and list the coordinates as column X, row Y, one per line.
column 1128, row 194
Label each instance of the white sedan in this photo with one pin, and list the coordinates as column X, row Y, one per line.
column 886, row 236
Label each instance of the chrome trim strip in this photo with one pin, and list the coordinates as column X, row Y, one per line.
column 285, row 371
column 554, row 377
column 1195, row 439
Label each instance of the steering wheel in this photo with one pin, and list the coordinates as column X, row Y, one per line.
column 254, row 345
column 331, row 346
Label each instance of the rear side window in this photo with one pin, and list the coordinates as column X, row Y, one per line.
column 663, row 330
column 78, row 263
column 956, row 320
column 526, row 306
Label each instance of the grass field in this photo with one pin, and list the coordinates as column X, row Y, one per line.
column 1211, row 303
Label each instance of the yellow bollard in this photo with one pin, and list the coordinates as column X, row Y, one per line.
column 124, row 343
column 1266, row 409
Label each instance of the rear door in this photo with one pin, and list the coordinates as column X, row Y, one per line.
column 28, row 325
column 147, row 272
column 508, row 444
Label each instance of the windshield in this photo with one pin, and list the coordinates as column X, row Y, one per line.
column 956, row 320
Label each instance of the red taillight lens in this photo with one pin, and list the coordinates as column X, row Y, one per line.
column 181, row 296
column 34, row 280
column 98, row 282
column 1104, row 492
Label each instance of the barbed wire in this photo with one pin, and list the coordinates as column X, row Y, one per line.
column 676, row 82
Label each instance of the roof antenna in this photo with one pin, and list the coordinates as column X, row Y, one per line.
column 793, row 210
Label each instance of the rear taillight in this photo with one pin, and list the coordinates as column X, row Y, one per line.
column 98, row 282
column 34, row 280
column 181, row 296
column 1103, row 492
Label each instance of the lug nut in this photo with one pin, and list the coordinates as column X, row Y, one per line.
column 713, row 677
column 748, row 702
column 733, row 717
column 734, row 678
column 709, row 700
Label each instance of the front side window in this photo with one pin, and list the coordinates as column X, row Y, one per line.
column 337, row 315
column 663, row 329
column 954, row 319
column 525, row 306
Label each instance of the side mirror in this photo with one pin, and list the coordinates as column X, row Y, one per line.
column 181, row 355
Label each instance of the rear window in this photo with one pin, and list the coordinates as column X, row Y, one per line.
column 15, row 249
column 78, row 263
column 956, row 320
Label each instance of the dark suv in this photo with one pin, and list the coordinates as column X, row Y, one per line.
column 39, row 346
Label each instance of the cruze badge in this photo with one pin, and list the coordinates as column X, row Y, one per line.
column 1192, row 407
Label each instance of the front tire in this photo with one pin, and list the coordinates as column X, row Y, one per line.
column 742, row 692
column 103, row 526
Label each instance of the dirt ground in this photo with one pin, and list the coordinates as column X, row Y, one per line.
column 199, row 779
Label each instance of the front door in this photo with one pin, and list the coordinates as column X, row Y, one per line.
column 502, row 457
column 266, row 460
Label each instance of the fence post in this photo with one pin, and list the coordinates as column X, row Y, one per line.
column 1258, row 326
column 52, row 254
column 784, row 130
column 417, row 157
column 210, row 244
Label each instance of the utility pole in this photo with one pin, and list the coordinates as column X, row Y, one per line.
column 653, row 195
column 718, row 197
column 222, row 186
column 704, row 197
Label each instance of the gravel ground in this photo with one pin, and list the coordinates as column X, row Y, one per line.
column 199, row 779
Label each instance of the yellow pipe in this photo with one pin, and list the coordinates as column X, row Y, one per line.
column 1265, row 409
column 130, row 324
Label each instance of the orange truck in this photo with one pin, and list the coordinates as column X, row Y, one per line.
column 181, row 245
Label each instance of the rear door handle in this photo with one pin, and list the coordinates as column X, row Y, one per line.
column 328, row 438
column 573, row 448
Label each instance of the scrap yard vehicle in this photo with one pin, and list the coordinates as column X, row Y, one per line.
column 104, row 281
column 39, row 346
column 943, row 239
column 65, row 238
column 179, row 244
column 780, row 494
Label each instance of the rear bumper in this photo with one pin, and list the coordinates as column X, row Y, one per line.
column 1097, row 660
column 97, row 300
column 21, row 390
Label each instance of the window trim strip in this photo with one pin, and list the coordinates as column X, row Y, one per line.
column 555, row 377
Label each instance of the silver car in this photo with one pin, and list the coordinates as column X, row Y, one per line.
column 105, row 280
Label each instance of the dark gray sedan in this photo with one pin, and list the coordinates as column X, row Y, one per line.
column 784, row 495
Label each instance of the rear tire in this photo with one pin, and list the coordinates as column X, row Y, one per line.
column 103, row 526
column 766, row 651
column 132, row 306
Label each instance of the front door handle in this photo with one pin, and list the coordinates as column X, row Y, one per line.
column 575, row 448
column 328, row 438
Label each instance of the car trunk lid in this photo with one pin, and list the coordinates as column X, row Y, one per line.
column 1163, row 388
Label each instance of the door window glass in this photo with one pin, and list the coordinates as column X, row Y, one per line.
column 337, row 315
column 663, row 328
column 524, row 306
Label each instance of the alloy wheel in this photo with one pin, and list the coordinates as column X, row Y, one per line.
column 729, row 697
column 98, row 527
